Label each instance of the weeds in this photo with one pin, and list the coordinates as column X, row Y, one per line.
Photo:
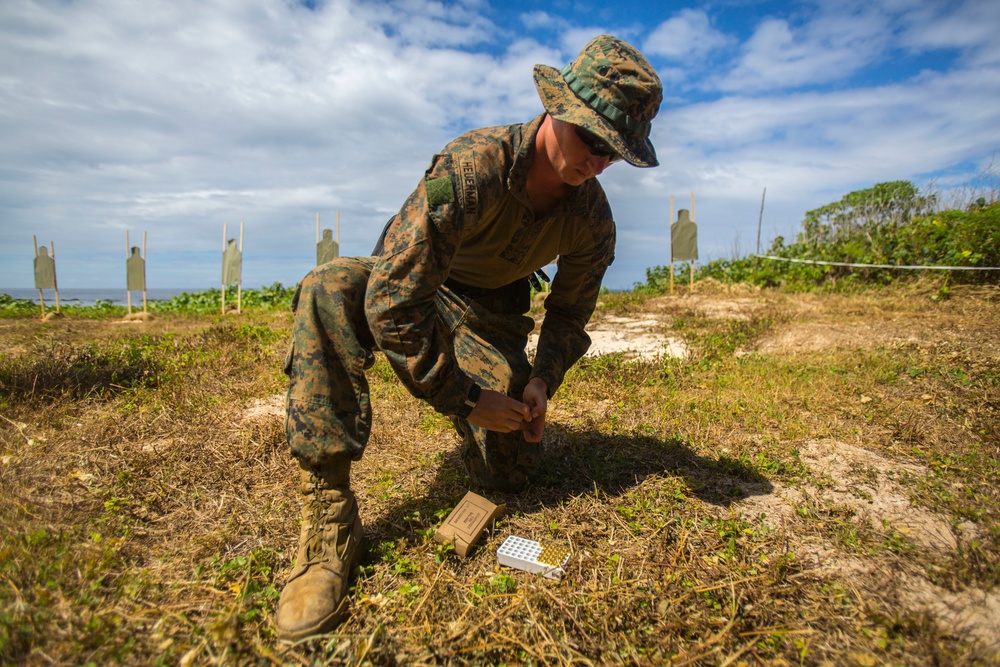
column 151, row 512
column 78, row 372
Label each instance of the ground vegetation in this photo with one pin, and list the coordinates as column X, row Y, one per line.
column 811, row 481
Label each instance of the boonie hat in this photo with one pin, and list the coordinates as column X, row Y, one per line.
column 610, row 90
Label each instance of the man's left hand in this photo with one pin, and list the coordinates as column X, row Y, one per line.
column 536, row 398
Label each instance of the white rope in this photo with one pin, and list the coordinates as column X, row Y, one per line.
column 882, row 266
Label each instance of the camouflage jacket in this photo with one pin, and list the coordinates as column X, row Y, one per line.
column 470, row 219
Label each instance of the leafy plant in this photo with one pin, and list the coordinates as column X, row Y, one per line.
column 887, row 224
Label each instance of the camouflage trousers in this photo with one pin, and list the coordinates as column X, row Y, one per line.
column 329, row 412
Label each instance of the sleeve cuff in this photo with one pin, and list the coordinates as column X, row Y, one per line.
column 453, row 403
column 550, row 382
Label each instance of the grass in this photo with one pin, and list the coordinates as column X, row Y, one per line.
column 728, row 508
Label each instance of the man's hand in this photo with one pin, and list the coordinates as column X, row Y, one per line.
column 536, row 398
column 498, row 412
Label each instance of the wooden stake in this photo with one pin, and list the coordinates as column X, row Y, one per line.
column 144, row 255
column 41, row 295
column 670, row 229
column 55, row 278
column 224, row 268
column 128, row 292
column 239, row 283
column 759, row 220
column 692, row 261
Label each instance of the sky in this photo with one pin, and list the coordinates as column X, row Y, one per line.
column 175, row 119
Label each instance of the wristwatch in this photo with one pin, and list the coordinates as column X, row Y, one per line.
column 474, row 391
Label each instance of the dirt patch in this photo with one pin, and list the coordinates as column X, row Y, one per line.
column 874, row 488
column 969, row 614
column 633, row 337
column 855, row 484
column 710, row 298
column 715, row 308
column 824, row 335
column 263, row 409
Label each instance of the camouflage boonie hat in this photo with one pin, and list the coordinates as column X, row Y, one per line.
column 611, row 90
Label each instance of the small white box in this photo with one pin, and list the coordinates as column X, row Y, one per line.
column 532, row 556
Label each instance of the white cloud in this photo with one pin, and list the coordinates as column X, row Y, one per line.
column 536, row 20
column 434, row 24
column 827, row 48
column 845, row 137
column 686, row 37
column 177, row 117
column 953, row 25
column 574, row 39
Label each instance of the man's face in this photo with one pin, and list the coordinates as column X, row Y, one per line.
column 572, row 158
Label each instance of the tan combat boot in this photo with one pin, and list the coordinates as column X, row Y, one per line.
column 315, row 597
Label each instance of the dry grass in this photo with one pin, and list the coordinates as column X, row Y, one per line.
column 814, row 484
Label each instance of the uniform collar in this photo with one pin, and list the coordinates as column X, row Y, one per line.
column 524, row 155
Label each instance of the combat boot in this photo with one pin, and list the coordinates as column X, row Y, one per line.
column 315, row 597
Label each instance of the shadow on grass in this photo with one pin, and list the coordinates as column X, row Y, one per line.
column 580, row 462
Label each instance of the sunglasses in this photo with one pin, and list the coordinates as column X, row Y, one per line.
column 597, row 146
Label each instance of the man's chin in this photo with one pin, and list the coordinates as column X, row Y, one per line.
column 576, row 177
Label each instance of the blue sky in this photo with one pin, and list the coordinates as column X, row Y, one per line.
column 176, row 117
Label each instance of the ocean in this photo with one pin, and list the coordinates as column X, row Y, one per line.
column 89, row 296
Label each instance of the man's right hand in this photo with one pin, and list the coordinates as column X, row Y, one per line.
column 498, row 412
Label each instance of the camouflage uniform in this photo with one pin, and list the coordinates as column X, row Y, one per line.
column 468, row 222
column 444, row 297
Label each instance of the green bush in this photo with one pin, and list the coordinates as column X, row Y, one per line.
column 11, row 306
column 273, row 297
column 889, row 223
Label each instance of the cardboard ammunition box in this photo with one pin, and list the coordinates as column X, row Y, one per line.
column 467, row 522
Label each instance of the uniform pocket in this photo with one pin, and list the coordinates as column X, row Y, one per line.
column 452, row 310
